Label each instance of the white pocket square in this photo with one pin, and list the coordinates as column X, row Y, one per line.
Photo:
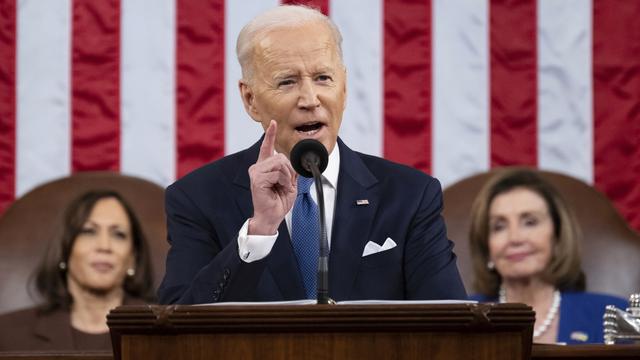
column 373, row 248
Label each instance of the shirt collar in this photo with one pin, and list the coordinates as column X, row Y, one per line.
column 330, row 174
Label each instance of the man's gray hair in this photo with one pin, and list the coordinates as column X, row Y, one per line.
column 284, row 16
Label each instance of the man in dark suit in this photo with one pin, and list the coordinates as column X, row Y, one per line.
column 229, row 222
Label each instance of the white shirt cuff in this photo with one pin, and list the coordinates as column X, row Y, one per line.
column 254, row 247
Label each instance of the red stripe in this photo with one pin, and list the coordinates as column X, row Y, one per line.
column 7, row 102
column 322, row 5
column 200, row 83
column 95, row 100
column 616, row 86
column 513, row 82
column 407, row 82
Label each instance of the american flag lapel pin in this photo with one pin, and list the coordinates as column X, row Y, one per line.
column 362, row 202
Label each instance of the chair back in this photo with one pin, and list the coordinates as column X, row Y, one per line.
column 37, row 217
column 610, row 249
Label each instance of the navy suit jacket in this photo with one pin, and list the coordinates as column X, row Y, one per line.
column 206, row 209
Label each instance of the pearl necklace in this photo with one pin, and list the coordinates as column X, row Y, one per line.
column 551, row 314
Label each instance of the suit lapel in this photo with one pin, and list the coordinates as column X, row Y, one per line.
column 351, row 221
column 281, row 261
column 56, row 328
column 242, row 181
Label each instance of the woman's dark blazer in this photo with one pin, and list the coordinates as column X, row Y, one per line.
column 34, row 330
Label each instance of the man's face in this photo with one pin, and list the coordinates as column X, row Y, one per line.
column 299, row 81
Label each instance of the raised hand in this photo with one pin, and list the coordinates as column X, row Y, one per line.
column 273, row 186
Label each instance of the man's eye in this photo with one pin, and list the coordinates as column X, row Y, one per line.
column 286, row 82
column 324, row 78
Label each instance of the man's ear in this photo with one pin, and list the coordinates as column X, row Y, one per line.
column 246, row 93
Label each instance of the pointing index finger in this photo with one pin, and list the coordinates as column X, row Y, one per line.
column 266, row 149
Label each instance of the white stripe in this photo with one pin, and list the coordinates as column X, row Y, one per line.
column 240, row 130
column 460, row 89
column 147, row 90
column 564, row 87
column 361, row 24
column 43, row 93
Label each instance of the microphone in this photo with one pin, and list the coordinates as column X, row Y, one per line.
column 309, row 158
column 307, row 153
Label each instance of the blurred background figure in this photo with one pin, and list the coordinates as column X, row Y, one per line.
column 524, row 243
column 101, row 261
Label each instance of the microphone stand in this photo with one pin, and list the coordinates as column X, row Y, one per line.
column 323, row 259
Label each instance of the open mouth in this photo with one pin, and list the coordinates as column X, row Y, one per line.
column 310, row 128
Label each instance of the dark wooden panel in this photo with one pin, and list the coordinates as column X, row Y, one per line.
column 324, row 346
column 553, row 352
column 460, row 331
column 53, row 355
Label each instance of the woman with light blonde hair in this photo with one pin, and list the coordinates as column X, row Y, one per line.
column 525, row 248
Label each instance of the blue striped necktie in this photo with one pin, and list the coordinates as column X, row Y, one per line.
column 305, row 235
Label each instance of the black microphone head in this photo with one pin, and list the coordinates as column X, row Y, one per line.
column 305, row 151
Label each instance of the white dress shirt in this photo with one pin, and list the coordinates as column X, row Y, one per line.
column 256, row 247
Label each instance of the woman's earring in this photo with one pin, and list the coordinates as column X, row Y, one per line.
column 491, row 265
column 131, row 271
column 62, row 265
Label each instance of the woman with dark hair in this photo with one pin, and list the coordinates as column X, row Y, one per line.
column 525, row 248
column 101, row 261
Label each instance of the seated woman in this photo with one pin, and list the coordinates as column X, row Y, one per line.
column 101, row 261
column 525, row 249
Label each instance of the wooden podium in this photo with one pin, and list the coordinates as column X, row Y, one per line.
column 457, row 331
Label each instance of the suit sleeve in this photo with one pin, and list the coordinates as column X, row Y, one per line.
column 198, row 268
column 430, row 264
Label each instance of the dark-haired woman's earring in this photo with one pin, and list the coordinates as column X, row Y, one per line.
column 131, row 271
column 62, row 265
column 491, row 265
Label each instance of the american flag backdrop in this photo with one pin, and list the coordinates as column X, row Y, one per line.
column 452, row 87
